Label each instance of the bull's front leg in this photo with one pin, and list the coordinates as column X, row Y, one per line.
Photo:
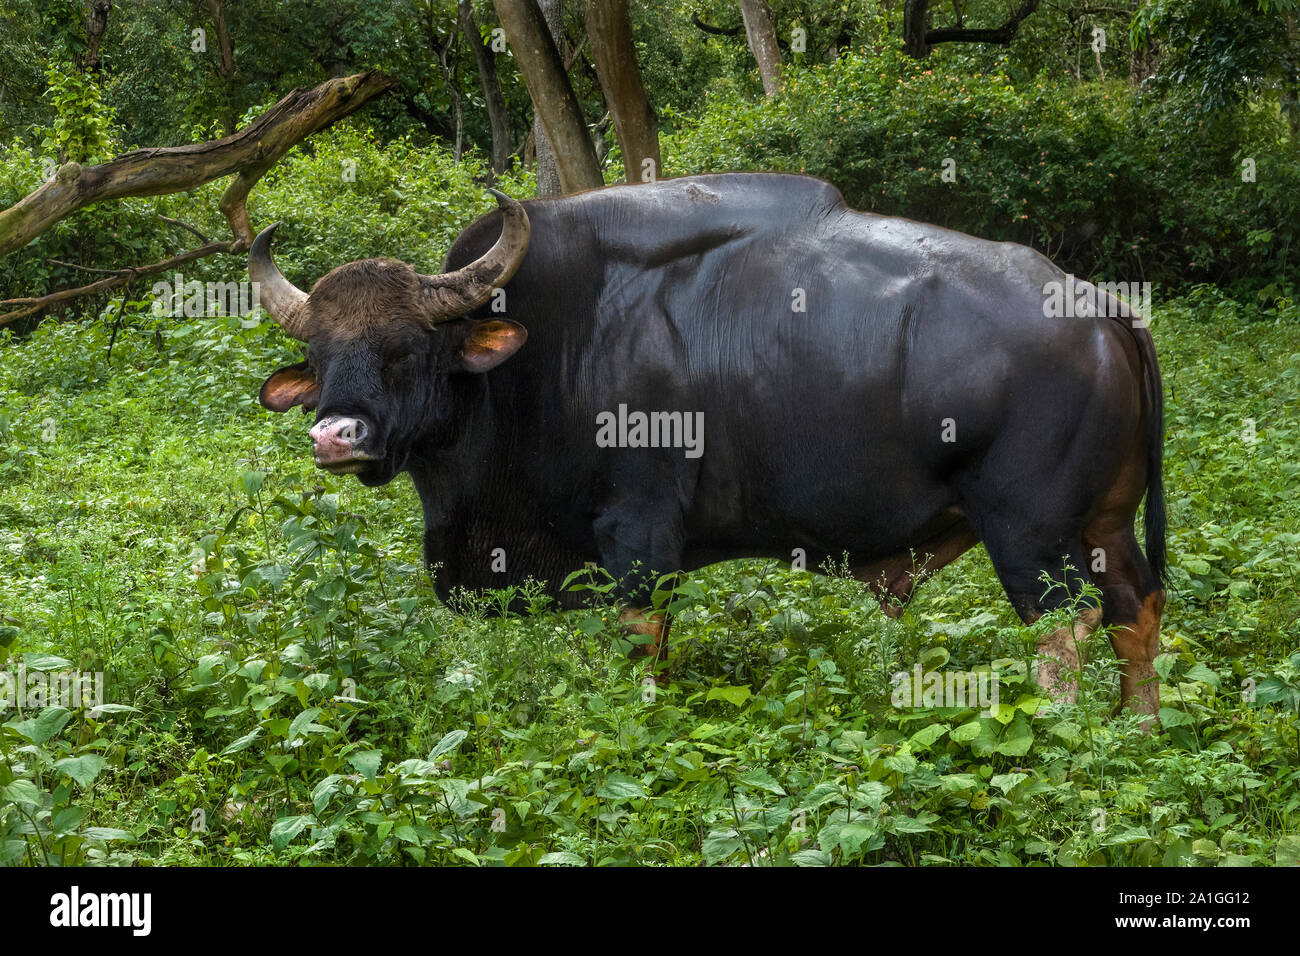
column 638, row 546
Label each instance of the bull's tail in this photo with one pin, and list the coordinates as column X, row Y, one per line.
column 1154, row 512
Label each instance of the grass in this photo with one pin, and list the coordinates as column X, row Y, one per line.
column 283, row 688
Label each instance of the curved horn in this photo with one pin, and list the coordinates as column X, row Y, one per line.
column 452, row 294
column 282, row 299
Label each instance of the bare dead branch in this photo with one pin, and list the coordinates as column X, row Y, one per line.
column 247, row 154
column 183, row 225
column 27, row 306
column 73, row 265
column 716, row 31
column 999, row 35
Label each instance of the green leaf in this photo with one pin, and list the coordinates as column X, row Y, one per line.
column 46, row 662
column 912, row 824
column 619, row 787
column 924, row 738
column 967, row 731
column 286, row 829
column 1006, row 782
column 43, row 726
column 760, row 779
column 809, row 857
column 253, row 482
column 243, row 742
column 447, row 744
column 321, row 793
column 22, row 792
column 561, row 858
column 1288, row 851
column 1202, row 673
column 719, row 845
column 1016, row 740
column 301, row 721
column 115, row 709
column 731, row 694
column 83, row 769
column 853, row 835
column 1164, row 665
column 367, row 762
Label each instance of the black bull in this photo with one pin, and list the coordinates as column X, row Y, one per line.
column 865, row 385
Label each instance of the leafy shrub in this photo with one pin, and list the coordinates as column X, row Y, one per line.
column 1094, row 175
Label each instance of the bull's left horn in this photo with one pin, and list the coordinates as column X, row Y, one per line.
column 282, row 300
column 453, row 294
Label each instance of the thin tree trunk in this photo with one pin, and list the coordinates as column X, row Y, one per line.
column 548, row 177
column 96, row 24
column 916, row 14
column 762, row 42
column 635, row 122
column 554, row 103
column 447, row 64
column 498, row 118
column 225, row 63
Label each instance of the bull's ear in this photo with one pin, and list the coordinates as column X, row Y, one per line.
column 290, row 386
column 490, row 343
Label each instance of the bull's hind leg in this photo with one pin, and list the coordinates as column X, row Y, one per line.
column 1021, row 567
column 1133, row 602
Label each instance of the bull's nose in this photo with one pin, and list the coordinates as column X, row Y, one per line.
column 337, row 439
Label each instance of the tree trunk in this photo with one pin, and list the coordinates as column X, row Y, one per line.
column 762, row 42
column 916, row 13
column 445, row 54
column 635, row 122
column 96, row 24
column 225, row 63
column 554, row 103
column 498, row 118
column 548, row 177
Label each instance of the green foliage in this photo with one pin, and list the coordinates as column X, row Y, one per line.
column 1092, row 175
column 82, row 125
column 283, row 687
column 1217, row 52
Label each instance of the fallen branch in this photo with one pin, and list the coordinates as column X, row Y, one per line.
column 119, row 278
column 184, row 225
column 247, row 154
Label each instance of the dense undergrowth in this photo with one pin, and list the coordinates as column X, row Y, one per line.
column 282, row 687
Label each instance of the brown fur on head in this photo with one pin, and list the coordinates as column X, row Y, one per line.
column 359, row 298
